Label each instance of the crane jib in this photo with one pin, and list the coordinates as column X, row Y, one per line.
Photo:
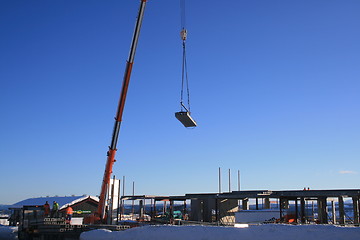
column 112, row 148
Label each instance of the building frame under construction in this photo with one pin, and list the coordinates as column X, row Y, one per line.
column 294, row 206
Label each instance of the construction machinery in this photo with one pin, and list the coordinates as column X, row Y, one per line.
column 33, row 224
column 183, row 116
column 118, row 118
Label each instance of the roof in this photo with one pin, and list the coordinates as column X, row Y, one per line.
column 141, row 197
column 62, row 201
column 96, row 199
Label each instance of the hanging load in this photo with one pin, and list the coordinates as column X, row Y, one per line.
column 184, row 116
column 185, row 119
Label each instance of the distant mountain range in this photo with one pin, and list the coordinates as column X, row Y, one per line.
column 4, row 209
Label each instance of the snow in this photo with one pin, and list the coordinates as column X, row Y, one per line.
column 63, row 201
column 4, row 219
column 253, row 232
column 8, row 233
column 78, row 200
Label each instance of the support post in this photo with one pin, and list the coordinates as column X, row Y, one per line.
column 219, row 180
column 341, row 211
column 151, row 208
column 296, row 210
column 144, row 208
column 141, row 210
column 164, row 208
column 132, row 205
column 217, row 218
column 202, row 210
column 122, row 201
column 111, row 205
column 171, row 211
column 322, row 213
column 245, row 204
column 302, row 210
column 281, row 209
column 284, row 204
column 333, row 212
column 118, row 205
column 356, row 210
column 154, row 209
column 267, row 203
column 185, row 211
column 229, row 180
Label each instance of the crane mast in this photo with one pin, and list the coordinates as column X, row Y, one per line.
column 118, row 118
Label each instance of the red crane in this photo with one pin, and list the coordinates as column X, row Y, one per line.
column 118, row 118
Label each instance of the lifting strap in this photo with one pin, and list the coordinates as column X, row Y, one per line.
column 184, row 115
column 184, row 75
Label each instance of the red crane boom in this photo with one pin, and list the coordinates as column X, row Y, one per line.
column 118, row 118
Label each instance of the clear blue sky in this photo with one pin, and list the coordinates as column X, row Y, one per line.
column 274, row 88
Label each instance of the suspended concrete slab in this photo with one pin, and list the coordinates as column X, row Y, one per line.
column 185, row 119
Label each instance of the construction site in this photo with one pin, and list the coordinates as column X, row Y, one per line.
column 116, row 211
column 336, row 207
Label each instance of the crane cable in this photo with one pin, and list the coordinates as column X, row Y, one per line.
column 184, row 74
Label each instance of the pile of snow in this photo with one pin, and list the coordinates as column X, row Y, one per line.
column 8, row 233
column 256, row 232
column 4, row 219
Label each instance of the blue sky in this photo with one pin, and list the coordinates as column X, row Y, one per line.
column 274, row 89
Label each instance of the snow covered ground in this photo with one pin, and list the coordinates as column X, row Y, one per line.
column 258, row 232
column 4, row 220
column 8, row 233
